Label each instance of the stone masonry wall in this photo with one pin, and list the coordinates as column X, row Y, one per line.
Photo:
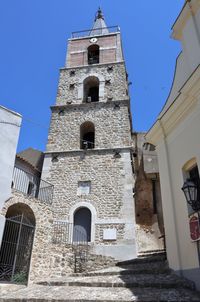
column 49, row 259
column 86, row 261
column 99, row 233
column 149, row 228
column 40, row 261
column 116, row 89
column 106, row 174
column 112, row 126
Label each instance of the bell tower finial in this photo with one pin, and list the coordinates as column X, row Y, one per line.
column 99, row 27
column 99, row 14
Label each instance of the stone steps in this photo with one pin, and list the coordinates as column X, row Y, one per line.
column 143, row 259
column 151, row 252
column 128, row 281
column 160, row 267
column 146, row 279
column 38, row 293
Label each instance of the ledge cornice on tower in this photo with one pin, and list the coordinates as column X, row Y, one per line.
column 92, row 105
column 78, row 152
column 91, row 66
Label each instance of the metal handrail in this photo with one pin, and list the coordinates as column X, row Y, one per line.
column 32, row 185
column 68, row 233
column 91, row 31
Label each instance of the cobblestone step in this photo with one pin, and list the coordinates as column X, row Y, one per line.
column 38, row 293
column 128, row 281
column 151, row 252
column 147, row 279
column 143, row 259
column 160, row 267
column 122, row 271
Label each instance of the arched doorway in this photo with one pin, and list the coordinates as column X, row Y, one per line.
column 17, row 241
column 82, row 225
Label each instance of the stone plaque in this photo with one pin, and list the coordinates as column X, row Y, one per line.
column 110, row 234
column 83, row 188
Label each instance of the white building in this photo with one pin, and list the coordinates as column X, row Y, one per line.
column 177, row 140
column 10, row 123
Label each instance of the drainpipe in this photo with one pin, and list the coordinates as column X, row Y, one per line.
column 174, row 212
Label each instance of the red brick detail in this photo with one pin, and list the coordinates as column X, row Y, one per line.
column 106, row 56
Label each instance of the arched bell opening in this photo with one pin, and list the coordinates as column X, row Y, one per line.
column 87, row 136
column 93, row 54
column 91, row 89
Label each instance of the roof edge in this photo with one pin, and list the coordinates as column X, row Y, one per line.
column 11, row 111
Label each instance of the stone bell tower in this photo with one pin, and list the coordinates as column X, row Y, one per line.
column 89, row 149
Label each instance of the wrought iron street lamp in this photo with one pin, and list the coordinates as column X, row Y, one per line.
column 190, row 190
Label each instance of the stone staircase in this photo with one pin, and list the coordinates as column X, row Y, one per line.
column 145, row 279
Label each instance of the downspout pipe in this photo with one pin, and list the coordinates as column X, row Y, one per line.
column 174, row 213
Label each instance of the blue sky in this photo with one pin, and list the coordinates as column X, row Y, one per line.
column 34, row 37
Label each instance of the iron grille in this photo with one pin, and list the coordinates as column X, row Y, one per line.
column 16, row 249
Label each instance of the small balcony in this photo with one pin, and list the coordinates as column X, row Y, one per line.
column 32, row 185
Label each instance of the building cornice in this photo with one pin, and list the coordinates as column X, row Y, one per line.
column 93, row 65
column 10, row 111
column 91, row 151
column 89, row 37
column 91, row 105
column 179, row 109
column 190, row 7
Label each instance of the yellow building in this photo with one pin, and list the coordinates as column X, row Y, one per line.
column 176, row 137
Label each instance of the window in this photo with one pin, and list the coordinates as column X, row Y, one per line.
column 87, row 136
column 93, row 54
column 149, row 147
column 91, row 89
column 84, row 188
